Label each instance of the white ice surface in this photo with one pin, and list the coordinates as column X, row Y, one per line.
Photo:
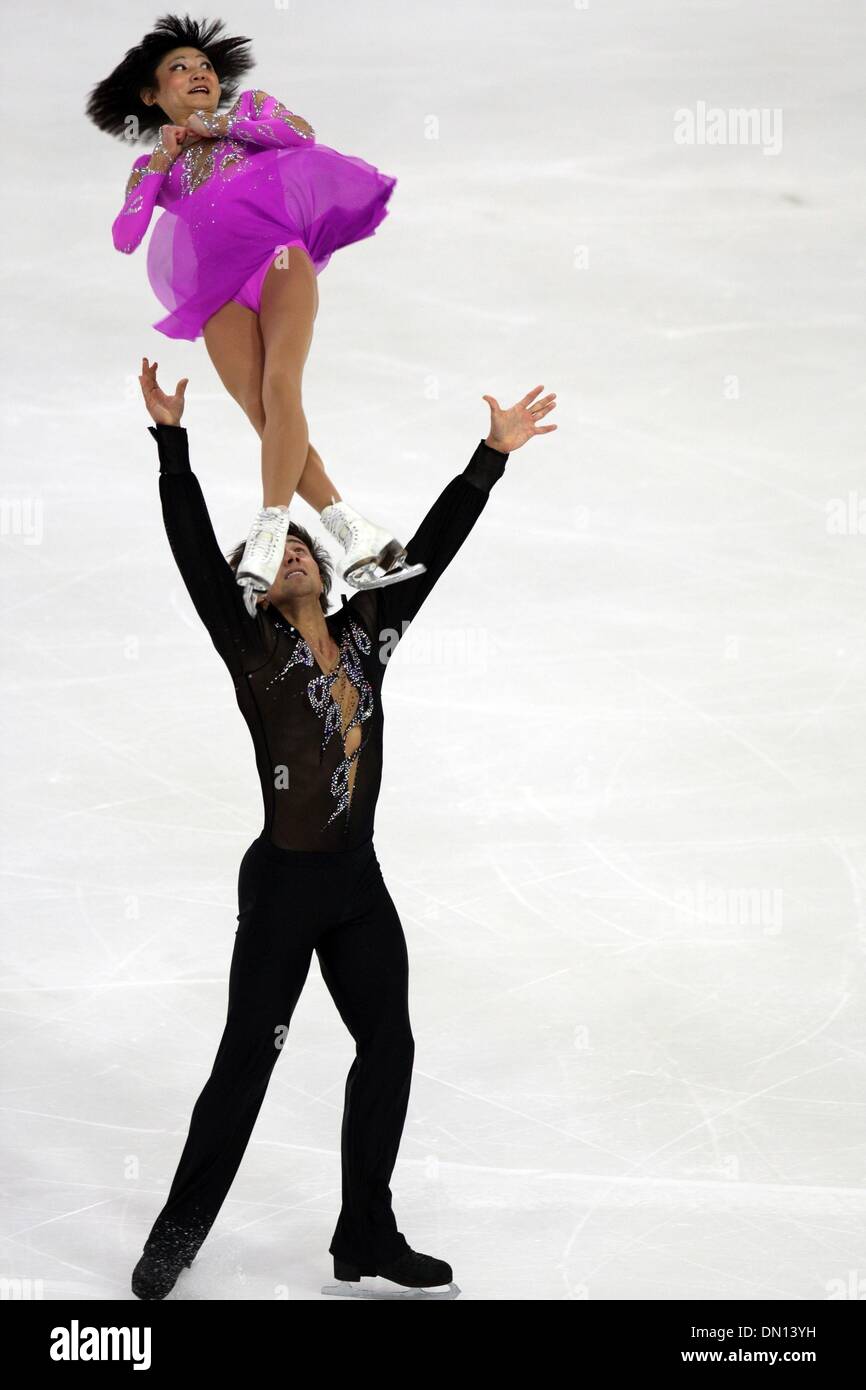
column 623, row 811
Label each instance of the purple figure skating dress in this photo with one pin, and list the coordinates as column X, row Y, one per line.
column 231, row 203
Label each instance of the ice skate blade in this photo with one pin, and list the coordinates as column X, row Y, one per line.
column 378, row 1287
column 365, row 576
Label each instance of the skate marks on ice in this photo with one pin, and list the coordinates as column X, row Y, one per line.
column 381, row 1288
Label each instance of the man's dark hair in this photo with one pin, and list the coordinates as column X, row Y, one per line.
column 318, row 552
column 114, row 100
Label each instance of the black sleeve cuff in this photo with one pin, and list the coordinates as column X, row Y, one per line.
column 485, row 467
column 171, row 441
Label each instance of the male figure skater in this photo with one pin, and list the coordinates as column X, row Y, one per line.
column 309, row 686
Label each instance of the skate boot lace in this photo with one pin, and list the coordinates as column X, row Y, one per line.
column 262, row 546
column 347, row 534
column 345, row 529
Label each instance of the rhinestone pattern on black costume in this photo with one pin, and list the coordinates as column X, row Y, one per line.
column 319, row 693
column 295, row 711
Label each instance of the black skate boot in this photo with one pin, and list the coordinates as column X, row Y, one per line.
column 411, row 1269
column 157, row 1271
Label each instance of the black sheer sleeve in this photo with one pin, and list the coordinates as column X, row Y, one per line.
column 385, row 612
column 240, row 640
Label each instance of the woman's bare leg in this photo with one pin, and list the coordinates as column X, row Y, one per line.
column 315, row 486
column 289, row 302
column 234, row 342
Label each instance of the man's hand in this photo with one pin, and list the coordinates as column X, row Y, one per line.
column 511, row 428
column 165, row 410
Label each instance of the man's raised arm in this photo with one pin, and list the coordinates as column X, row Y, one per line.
column 386, row 610
column 436, row 542
column 205, row 571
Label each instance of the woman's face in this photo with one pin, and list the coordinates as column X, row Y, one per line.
column 186, row 83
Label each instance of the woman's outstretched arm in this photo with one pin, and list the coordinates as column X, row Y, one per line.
column 256, row 119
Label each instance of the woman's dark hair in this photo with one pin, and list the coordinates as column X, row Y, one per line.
column 318, row 552
column 116, row 99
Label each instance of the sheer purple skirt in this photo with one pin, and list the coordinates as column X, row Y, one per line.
column 218, row 243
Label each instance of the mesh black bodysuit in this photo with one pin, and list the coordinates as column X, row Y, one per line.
column 317, row 735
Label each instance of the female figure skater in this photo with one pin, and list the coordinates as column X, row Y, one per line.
column 254, row 209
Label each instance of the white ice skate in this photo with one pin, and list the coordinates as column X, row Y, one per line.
column 263, row 554
column 373, row 557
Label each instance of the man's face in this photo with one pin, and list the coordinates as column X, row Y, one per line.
column 187, row 83
column 298, row 575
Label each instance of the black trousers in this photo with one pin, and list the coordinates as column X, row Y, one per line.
column 291, row 903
